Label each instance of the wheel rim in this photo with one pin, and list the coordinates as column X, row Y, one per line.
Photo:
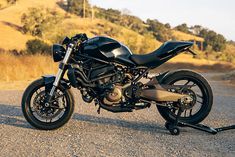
column 199, row 94
column 51, row 114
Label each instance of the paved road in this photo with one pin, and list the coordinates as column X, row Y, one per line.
column 140, row 133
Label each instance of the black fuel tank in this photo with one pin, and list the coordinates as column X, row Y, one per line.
column 108, row 49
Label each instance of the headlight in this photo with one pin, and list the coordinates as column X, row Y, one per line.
column 58, row 52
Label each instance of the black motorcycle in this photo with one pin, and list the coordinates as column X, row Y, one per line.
column 106, row 72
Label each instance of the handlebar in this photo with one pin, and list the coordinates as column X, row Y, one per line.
column 78, row 37
column 83, row 37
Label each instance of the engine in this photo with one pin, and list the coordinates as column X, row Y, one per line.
column 113, row 96
column 112, row 79
column 103, row 81
column 111, row 85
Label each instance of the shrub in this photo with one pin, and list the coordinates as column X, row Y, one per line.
column 183, row 28
column 76, row 7
column 12, row 1
column 39, row 20
column 160, row 31
column 37, row 46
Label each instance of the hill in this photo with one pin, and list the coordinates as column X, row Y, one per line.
column 10, row 22
column 28, row 67
column 12, row 37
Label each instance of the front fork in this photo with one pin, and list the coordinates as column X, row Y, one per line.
column 60, row 73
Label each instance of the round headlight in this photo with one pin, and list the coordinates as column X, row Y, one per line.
column 58, row 52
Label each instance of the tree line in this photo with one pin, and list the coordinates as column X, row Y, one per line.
column 213, row 39
column 37, row 20
column 162, row 32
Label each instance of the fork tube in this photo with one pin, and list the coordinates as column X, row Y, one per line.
column 61, row 69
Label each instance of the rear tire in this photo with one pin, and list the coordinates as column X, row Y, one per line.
column 33, row 120
column 205, row 109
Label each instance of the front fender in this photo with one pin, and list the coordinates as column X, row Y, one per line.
column 49, row 80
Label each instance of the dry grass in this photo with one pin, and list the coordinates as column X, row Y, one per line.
column 3, row 4
column 10, row 22
column 12, row 38
column 184, row 36
column 229, row 53
column 24, row 68
column 185, row 61
column 18, row 71
column 186, row 58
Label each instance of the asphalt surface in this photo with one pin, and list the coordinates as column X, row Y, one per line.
column 140, row 133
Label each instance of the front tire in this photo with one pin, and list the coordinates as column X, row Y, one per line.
column 206, row 91
column 42, row 117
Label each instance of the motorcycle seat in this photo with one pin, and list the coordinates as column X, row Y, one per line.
column 154, row 58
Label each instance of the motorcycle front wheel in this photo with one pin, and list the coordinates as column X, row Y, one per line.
column 42, row 116
column 200, row 91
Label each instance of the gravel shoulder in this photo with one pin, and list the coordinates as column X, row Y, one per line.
column 140, row 133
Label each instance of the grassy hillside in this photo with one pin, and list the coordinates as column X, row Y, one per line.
column 184, row 36
column 13, row 38
column 23, row 68
column 10, row 22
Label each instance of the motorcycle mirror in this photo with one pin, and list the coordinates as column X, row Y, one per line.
column 66, row 41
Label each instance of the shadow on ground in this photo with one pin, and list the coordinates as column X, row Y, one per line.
column 134, row 125
column 13, row 116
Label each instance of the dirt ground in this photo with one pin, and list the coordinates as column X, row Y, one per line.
column 140, row 133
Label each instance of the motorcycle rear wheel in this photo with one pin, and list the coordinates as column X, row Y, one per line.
column 204, row 99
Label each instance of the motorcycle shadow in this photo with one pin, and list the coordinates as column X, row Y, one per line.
column 13, row 116
column 120, row 123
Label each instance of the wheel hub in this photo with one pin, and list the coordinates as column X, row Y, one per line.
column 192, row 96
column 44, row 109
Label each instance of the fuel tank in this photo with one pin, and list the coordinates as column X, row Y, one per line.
column 108, row 49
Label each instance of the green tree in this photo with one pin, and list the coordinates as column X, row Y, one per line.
column 37, row 46
column 38, row 20
column 196, row 29
column 168, row 26
column 115, row 16
column 134, row 23
column 159, row 30
column 217, row 41
column 76, row 7
column 183, row 28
